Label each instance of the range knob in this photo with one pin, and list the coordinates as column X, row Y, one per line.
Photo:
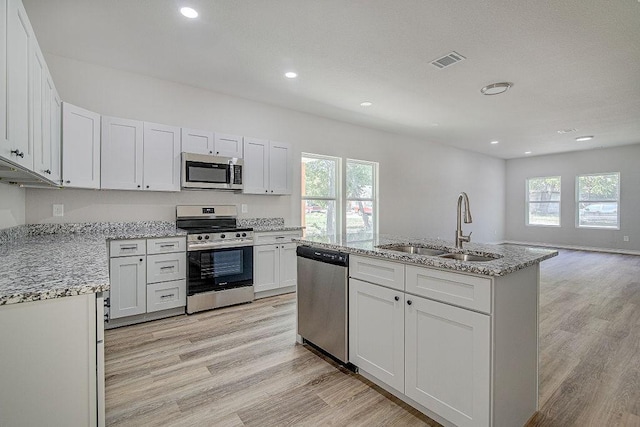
column 244, row 234
column 199, row 237
column 237, row 234
column 222, row 236
column 206, row 237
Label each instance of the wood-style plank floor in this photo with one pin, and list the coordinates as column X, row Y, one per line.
column 240, row 366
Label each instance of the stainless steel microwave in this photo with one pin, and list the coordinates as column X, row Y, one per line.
column 211, row 172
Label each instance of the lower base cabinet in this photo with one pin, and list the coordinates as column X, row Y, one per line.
column 274, row 262
column 51, row 362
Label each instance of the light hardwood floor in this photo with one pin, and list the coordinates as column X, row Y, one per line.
column 240, row 366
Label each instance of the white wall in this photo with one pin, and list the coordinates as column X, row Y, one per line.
column 568, row 166
column 12, row 205
column 419, row 181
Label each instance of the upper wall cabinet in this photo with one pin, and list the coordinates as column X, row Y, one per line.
column 205, row 142
column 46, row 123
column 138, row 155
column 80, row 147
column 20, row 42
column 228, row 145
column 267, row 167
column 121, row 154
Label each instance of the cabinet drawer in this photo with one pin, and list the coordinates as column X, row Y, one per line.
column 166, row 267
column 380, row 272
column 270, row 238
column 119, row 248
column 166, row 245
column 162, row 296
column 458, row 289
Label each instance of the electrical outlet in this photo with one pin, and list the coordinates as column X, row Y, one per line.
column 625, row 238
column 245, row 209
column 58, row 210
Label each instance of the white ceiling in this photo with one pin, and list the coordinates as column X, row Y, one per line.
column 574, row 63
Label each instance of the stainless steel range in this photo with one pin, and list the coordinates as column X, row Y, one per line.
column 220, row 257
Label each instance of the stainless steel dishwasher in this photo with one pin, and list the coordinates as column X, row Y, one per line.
column 323, row 297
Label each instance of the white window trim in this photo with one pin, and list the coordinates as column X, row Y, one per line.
column 528, row 202
column 578, row 201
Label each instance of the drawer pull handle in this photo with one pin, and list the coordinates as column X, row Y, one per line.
column 171, row 245
column 168, row 267
column 280, row 237
column 128, row 248
column 167, row 296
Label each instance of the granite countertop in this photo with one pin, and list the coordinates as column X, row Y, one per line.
column 267, row 228
column 45, row 261
column 267, row 224
column 509, row 258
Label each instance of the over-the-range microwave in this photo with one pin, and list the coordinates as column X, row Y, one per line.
column 201, row 171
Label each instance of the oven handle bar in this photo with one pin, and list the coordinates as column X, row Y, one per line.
column 225, row 245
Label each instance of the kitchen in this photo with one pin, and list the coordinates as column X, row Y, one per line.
column 95, row 81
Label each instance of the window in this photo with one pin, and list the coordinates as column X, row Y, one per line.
column 332, row 207
column 598, row 200
column 361, row 200
column 543, row 201
column 320, row 184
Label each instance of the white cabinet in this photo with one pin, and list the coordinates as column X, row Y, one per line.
column 139, row 155
column 197, row 141
column 228, row 145
column 121, row 154
column 128, row 292
column 148, row 279
column 161, row 157
column 268, row 167
column 37, row 75
column 80, row 147
column 448, row 361
column 274, row 262
column 47, row 148
column 52, row 362
column 20, row 43
column 376, row 331
column 5, row 147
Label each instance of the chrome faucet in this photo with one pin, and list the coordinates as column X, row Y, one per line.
column 467, row 219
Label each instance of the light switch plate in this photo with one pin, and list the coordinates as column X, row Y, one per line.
column 58, row 210
column 625, row 238
column 244, row 208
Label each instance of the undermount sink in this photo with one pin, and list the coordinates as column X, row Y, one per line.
column 415, row 250
column 467, row 257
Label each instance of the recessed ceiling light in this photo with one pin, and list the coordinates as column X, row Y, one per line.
column 563, row 131
column 584, row 138
column 496, row 88
column 494, row 142
column 189, row 12
column 527, row 152
column 366, row 104
column 291, row 75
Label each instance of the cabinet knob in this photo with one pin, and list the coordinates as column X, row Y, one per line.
column 141, row 260
column 217, row 152
column 397, row 298
column 18, row 153
column 409, row 302
column 68, row 182
column 210, row 152
column 272, row 191
column 266, row 191
column 48, row 171
column 147, row 186
column 138, row 186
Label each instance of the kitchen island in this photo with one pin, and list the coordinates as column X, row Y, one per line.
column 458, row 340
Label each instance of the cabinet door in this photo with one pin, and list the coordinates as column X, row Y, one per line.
column 256, row 166
column 266, row 264
column 37, row 73
column 161, row 157
column 197, row 141
column 228, row 145
column 19, row 43
column 44, row 156
column 376, row 331
column 121, row 153
column 128, row 293
column 80, row 147
column 55, row 126
column 288, row 265
column 5, row 147
column 280, row 168
column 448, row 360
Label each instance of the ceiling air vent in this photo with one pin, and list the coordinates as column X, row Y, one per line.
column 447, row 60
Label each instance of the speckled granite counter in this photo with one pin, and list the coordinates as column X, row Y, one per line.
column 509, row 258
column 45, row 261
column 267, row 224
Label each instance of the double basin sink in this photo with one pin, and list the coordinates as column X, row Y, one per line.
column 421, row 250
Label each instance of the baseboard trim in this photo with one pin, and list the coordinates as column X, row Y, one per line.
column 574, row 247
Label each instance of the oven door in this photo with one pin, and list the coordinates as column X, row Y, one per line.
column 218, row 269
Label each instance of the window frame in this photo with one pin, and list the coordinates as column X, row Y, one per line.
column 578, row 201
column 528, row 202
column 373, row 199
column 337, row 198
